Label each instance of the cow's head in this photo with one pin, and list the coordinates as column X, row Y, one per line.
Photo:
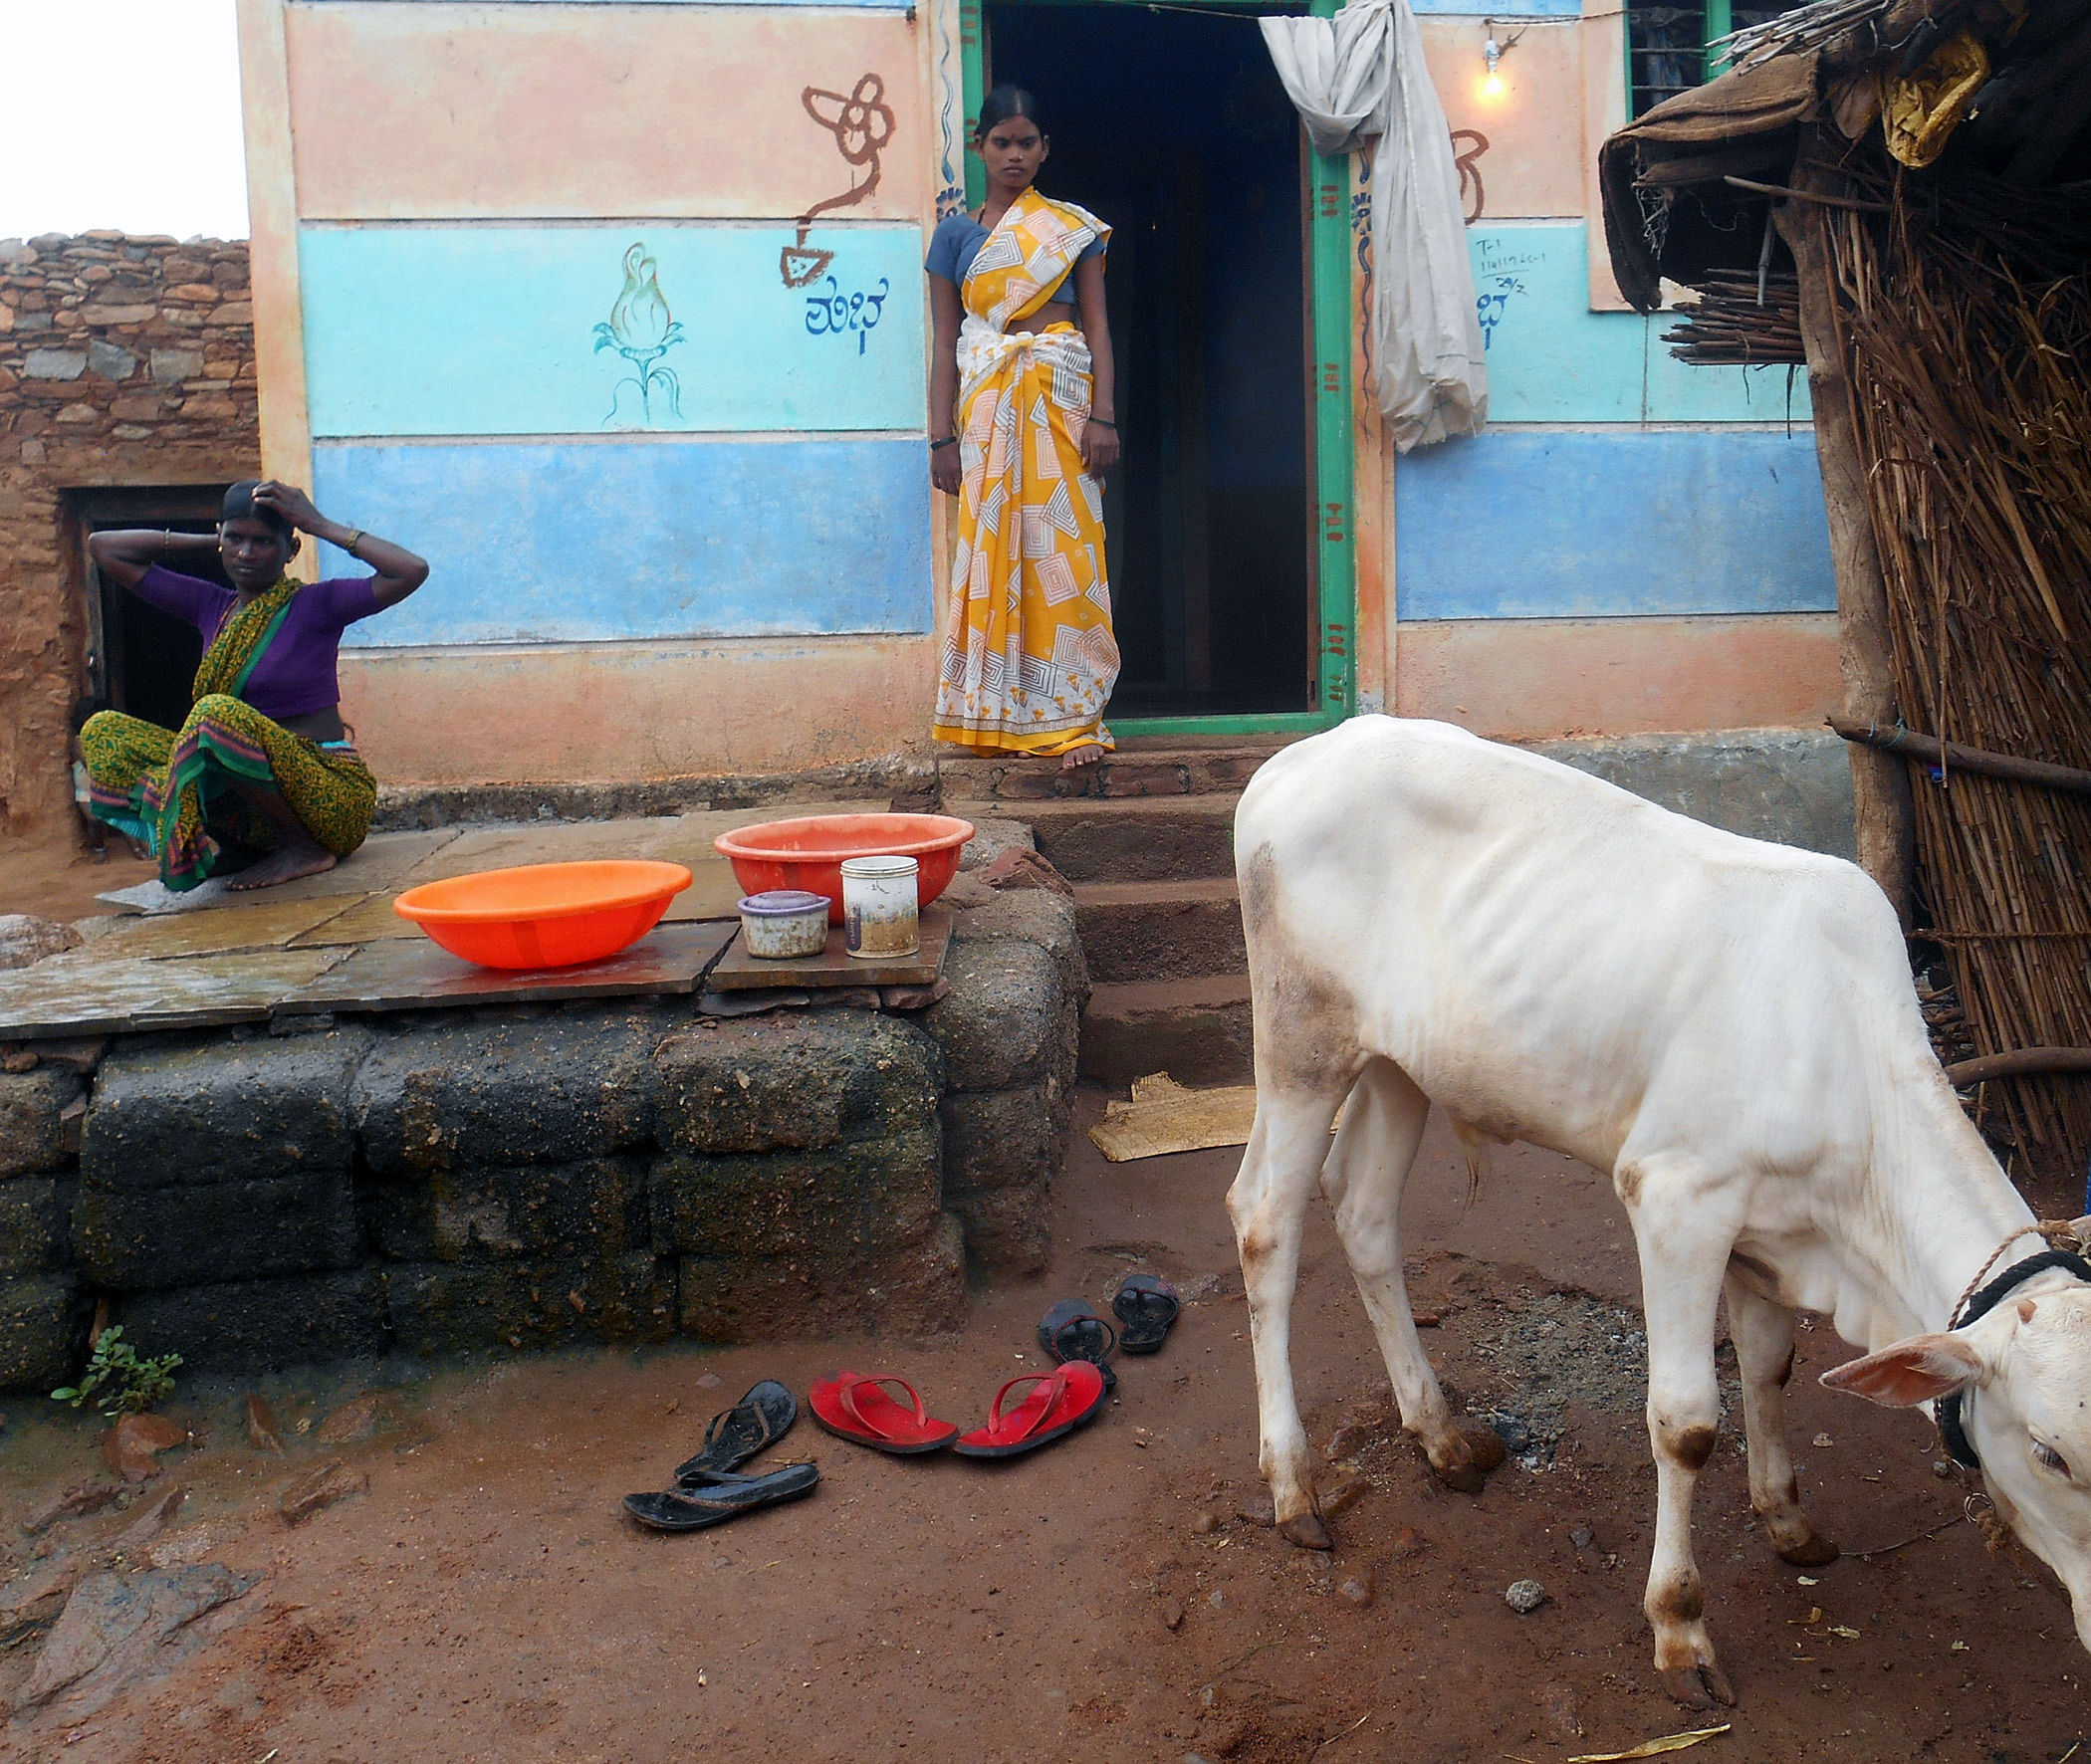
column 2024, row 1373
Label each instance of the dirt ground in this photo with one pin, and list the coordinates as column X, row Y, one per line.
column 486, row 1599
column 53, row 880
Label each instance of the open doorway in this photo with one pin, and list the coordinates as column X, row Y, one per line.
column 1173, row 127
column 139, row 659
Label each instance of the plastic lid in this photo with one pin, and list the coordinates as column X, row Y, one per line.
column 866, row 868
column 782, row 903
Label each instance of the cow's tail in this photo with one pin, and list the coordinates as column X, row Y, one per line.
column 1473, row 1141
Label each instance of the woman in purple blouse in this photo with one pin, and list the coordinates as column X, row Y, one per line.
column 261, row 781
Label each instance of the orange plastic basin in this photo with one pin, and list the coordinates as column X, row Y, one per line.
column 809, row 853
column 545, row 915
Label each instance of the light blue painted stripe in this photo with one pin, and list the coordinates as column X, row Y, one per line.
column 827, row 5
column 1514, row 9
column 577, row 541
column 1579, row 524
column 1551, row 359
column 492, row 330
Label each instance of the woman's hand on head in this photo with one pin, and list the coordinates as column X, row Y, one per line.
column 945, row 470
column 1099, row 447
column 291, row 502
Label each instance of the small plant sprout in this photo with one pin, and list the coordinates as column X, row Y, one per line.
column 117, row 1381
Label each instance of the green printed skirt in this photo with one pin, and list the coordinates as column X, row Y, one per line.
column 174, row 790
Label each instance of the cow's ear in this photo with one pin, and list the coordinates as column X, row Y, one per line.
column 1920, row 1369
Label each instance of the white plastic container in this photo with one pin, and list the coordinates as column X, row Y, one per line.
column 879, row 912
column 784, row 922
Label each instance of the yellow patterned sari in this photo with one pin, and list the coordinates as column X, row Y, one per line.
column 1029, row 657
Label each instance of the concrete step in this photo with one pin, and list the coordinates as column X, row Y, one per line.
column 1131, row 839
column 1196, row 1031
column 1165, row 768
column 1148, row 931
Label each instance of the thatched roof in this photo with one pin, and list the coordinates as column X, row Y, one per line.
column 1997, row 87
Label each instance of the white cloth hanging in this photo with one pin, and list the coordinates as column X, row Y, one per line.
column 1354, row 78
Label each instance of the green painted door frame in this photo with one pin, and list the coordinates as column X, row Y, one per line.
column 1332, row 473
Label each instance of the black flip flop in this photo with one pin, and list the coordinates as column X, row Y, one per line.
column 708, row 1498
column 1071, row 1330
column 747, row 1430
column 1145, row 1306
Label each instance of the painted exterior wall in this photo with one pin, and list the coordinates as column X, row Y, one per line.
column 566, row 295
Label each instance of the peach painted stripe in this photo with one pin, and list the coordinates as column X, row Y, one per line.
column 1546, row 679
column 638, row 711
column 449, row 112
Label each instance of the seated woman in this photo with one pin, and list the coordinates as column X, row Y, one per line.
column 261, row 779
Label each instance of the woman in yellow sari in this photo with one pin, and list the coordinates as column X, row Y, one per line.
column 1022, row 362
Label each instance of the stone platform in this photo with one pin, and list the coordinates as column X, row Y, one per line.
column 312, row 1185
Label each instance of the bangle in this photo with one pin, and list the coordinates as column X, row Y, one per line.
column 166, row 542
column 1103, row 422
column 355, row 539
column 948, row 441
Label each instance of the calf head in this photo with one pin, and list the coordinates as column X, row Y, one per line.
column 2024, row 1375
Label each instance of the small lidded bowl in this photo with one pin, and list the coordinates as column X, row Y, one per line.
column 784, row 922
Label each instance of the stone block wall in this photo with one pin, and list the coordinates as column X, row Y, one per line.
column 124, row 361
column 471, row 1181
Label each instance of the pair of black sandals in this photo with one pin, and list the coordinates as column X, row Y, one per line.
column 1144, row 1307
column 707, row 1490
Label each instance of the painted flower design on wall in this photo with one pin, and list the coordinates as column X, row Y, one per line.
column 641, row 330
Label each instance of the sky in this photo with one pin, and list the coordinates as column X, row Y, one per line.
column 121, row 114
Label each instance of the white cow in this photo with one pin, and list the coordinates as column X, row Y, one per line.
column 1726, row 1025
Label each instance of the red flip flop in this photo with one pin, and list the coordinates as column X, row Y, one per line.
column 854, row 1406
column 1057, row 1403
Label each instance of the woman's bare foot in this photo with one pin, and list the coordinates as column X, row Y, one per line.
column 287, row 865
column 1086, row 755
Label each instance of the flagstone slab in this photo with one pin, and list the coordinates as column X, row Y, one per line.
column 92, row 993
column 834, row 967
column 380, row 861
column 256, row 924
column 417, row 974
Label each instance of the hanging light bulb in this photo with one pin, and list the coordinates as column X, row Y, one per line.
column 1492, row 52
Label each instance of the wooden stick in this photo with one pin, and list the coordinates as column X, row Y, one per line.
column 1823, row 196
column 1951, row 754
column 2019, row 1064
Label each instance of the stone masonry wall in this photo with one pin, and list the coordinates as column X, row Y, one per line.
column 124, row 361
column 513, row 1179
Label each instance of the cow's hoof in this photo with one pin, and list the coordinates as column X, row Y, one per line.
column 1484, row 1451
column 1813, row 1550
column 1698, row 1687
column 1307, row 1532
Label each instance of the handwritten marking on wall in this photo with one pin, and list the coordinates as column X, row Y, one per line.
column 862, row 124
column 641, row 330
column 1468, row 163
column 836, row 313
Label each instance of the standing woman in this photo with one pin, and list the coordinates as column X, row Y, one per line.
column 261, row 779
column 1024, row 357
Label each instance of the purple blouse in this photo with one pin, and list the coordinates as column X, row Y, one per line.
column 296, row 674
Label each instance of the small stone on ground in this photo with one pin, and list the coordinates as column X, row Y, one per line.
column 1524, row 1597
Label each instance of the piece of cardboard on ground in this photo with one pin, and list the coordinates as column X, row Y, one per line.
column 835, row 967
column 401, row 975
column 1163, row 1117
column 89, row 993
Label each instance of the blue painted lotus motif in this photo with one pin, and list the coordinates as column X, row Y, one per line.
column 642, row 329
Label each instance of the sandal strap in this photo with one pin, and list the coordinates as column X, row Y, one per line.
column 1056, row 1383
column 848, row 1385
column 1073, row 1324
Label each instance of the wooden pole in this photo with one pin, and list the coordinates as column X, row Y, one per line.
column 1880, row 782
column 1951, row 753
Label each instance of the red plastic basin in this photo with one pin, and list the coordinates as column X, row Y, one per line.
column 809, row 853
column 545, row 915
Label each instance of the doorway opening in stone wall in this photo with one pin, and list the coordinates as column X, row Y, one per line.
column 1173, row 127
column 139, row 659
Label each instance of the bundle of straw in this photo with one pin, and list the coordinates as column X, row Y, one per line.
column 1968, row 317
column 1730, row 327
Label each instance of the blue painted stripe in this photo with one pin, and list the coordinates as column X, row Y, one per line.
column 507, row 331
column 575, row 542
column 1510, row 524
column 828, row 5
column 1552, row 359
column 1514, row 9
